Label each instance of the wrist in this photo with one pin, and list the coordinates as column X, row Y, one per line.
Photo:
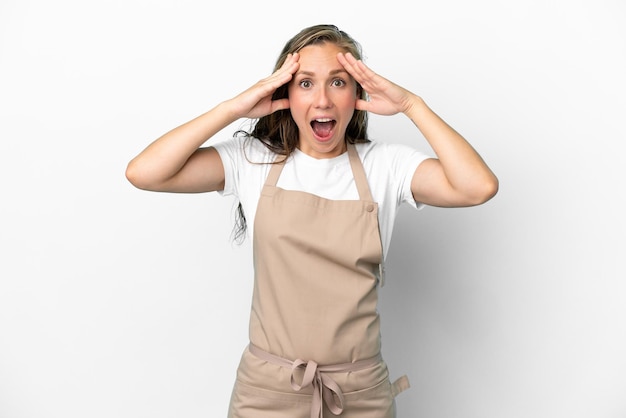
column 416, row 106
column 228, row 111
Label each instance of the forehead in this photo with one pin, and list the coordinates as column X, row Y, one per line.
column 319, row 58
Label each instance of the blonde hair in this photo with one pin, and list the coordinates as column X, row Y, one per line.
column 278, row 131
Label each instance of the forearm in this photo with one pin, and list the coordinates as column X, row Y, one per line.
column 166, row 156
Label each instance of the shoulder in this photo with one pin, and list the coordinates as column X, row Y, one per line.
column 379, row 153
column 240, row 149
column 246, row 162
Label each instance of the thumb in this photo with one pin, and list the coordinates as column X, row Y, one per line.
column 279, row 104
column 361, row 104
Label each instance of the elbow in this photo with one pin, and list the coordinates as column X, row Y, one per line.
column 486, row 191
column 145, row 177
column 136, row 176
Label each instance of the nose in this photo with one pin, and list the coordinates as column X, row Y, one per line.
column 322, row 99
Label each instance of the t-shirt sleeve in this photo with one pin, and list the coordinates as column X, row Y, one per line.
column 230, row 151
column 405, row 161
column 246, row 164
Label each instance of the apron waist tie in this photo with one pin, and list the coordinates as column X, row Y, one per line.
column 325, row 389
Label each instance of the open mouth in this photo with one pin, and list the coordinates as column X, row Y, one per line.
column 323, row 128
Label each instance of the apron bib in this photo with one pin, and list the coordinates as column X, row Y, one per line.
column 314, row 325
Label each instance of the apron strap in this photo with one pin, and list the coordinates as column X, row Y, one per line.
column 359, row 174
column 400, row 385
column 277, row 168
column 364, row 193
column 360, row 178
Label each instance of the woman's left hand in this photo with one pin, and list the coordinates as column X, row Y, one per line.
column 458, row 176
column 385, row 97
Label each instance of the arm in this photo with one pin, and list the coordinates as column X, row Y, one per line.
column 458, row 176
column 176, row 163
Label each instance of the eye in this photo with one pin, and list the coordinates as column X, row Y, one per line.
column 338, row 82
column 305, row 84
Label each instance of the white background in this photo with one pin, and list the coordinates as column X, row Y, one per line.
column 116, row 302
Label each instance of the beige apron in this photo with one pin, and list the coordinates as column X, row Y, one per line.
column 314, row 327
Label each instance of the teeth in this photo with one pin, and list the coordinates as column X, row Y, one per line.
column 324, row 120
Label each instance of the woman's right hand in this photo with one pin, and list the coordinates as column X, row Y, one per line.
column 175, row 163
column 256, row 101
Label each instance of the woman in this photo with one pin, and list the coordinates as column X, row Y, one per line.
column 322, row 199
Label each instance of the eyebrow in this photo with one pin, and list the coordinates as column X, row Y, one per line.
column 333, row 72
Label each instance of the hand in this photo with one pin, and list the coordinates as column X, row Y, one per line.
column 385, row 97
column 256, row 101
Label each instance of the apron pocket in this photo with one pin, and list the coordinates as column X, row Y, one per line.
column 373, row 402
column 253, row 402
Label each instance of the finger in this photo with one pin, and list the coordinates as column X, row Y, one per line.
column 356, row 68
column 279, row 104
column 291, row 63
column 364, row 70
column 283, row 75
column 348, row 62
column 288, row 69
column 347, row 57
column 361, row 104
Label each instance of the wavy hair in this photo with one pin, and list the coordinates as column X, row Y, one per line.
column 278, row 131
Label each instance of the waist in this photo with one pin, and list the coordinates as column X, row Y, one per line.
column 306, row 374
column 332, row 368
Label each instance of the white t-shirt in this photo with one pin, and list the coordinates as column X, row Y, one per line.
column 388, row 167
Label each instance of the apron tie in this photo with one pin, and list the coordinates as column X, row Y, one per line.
column 325, row 389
